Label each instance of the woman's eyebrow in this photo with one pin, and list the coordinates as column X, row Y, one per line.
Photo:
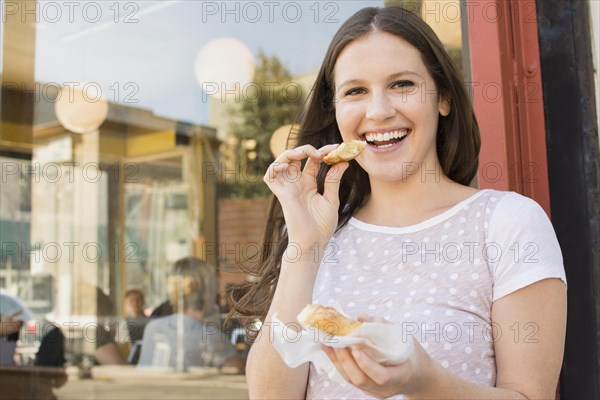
column 390, row 77
column 350, row 82
column 399, row 74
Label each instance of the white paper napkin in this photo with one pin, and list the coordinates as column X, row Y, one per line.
column 386, row 343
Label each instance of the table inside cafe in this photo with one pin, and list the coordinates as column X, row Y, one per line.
column 128, row 382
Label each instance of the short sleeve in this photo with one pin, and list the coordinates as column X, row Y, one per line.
column 527, row 249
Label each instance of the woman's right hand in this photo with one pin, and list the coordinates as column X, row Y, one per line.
column 310, row 218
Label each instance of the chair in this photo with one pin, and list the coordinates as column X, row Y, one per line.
column 134, row 352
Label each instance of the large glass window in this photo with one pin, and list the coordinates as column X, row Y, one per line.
column 127, row 143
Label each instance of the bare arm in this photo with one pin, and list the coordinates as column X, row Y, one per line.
column 268, row 376
column 529, row 349
column 109, row 354
column 529, row 356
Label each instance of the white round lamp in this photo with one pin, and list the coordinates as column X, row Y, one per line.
column 80, row 111
column 224, row 64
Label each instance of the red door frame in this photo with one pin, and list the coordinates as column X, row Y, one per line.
column 507, row 94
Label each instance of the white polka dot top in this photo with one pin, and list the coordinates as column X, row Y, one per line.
column 439, row 278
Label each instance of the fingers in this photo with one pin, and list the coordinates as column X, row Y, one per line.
column 372, row 369
column 291, row 159
column 328, row 148
column 347, row 366
column 333, row 180
column 357, row 367
column 338, row 365
column 302, row 152
column 313, row 164
column 298, row 154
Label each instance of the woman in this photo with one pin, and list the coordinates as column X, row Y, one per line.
column 398, row 233
column 191, row 336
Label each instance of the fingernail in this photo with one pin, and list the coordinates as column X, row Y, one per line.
column 356, row 354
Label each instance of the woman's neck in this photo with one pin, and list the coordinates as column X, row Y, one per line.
column 408, row 202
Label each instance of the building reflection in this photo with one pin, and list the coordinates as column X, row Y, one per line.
column 110, row 209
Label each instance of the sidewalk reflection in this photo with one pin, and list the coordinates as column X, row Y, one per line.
column 127, row 382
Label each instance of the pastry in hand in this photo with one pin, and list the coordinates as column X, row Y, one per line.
column 327, row 319
column 345, row 152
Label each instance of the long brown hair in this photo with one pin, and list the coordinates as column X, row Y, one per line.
column 457, row 140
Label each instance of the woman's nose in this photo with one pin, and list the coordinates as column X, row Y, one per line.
column 380, row 108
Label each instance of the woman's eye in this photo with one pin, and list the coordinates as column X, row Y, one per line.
column 403, row 84
column 354, row 91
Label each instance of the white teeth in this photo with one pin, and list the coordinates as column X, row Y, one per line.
column 380, row 137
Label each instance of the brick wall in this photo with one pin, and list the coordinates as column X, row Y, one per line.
column 240, row 226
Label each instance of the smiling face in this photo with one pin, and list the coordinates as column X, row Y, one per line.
column 386, row 96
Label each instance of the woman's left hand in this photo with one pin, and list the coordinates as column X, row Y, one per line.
column 380, row 381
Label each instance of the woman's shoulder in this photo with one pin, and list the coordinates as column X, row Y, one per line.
column 512, row 213
column 513, row 205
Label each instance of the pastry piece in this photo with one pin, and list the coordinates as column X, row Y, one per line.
column 345, row 152
column 327, row 319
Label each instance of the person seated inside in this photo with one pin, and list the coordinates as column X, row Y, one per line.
column 192, row 336
column 131, row 331
column 135, row 318
column 107, row 351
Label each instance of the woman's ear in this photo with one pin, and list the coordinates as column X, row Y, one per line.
column 444, row 106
